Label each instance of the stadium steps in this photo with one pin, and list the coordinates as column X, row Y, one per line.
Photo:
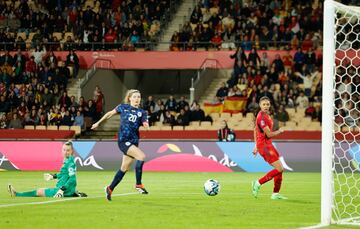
column 73, row 86
column 182, row 15
column 99, row 134
column 210, row 93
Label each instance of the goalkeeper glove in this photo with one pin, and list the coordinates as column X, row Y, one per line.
column 48, row 176
column 59, row 194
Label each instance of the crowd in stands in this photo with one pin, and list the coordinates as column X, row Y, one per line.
column 289, row 81
column 174, row 112
column 251, row 24
column 33, row 92
column 76, row 24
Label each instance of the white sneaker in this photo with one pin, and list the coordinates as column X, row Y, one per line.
column 278, row 196
column 11, row 190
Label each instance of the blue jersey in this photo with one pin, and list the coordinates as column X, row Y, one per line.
column 131, row 118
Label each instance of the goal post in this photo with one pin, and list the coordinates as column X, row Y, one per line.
column 340, row 152
column 327, row 140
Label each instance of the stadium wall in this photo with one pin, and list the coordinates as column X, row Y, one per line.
column 175, row 156
column 166, row 59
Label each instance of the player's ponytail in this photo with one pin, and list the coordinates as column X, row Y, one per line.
column 129, row 93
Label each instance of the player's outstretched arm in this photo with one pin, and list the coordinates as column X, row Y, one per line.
column 106, row 116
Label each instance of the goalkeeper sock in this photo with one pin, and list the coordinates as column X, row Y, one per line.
column 138, row 170
column 26, row 194
column 277, row 183
column 117, row 178
column 270, row 175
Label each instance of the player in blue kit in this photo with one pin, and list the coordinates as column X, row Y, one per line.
column 131, row 118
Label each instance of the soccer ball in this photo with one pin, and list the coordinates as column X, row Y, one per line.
column 212, row 187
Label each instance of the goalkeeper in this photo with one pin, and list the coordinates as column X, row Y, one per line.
column 66, row 184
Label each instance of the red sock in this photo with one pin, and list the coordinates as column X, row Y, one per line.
column 270, row 175
column 277, row 183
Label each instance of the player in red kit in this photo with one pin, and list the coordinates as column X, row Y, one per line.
column 263, row 135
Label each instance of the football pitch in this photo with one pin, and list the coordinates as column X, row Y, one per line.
column 176, row 200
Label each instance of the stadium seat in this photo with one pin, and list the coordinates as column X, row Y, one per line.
column 165, row 128
column 141, row 128
column 77, row 130
column 64, row 127
column 41, row 127
column 22, row 35
column 58, row 35
column 154, row 128
column 69, row 34
column 158, row 124
column 237, row 116
column 195, row 123
column 29, row 127
column 205, row 124
column 191, row 128
column 215, row 116
column 52, row 128
column 178, row 128
column 225, row 115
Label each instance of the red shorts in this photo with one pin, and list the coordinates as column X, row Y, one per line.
column 269, row 153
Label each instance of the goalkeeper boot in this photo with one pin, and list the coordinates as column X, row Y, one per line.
column 108, row 193
column 278, row 196
column 11, row 190
column 255, row 188
column 141, row 189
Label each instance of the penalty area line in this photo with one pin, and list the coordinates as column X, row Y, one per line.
column 63, row 200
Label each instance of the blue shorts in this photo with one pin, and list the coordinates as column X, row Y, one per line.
column 124, row 146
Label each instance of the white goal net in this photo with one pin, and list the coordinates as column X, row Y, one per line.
column 343, row 78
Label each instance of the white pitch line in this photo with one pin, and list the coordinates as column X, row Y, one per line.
column 63, row 200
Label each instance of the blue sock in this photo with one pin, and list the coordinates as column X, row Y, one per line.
column 117, row 178
column 138, row 170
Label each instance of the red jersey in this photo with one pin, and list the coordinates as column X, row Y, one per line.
column 263, row 120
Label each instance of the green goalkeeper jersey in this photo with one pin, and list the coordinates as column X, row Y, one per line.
column 67, row 175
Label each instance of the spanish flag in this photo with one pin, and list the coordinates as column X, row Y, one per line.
column 213, row 108
column 234, row 104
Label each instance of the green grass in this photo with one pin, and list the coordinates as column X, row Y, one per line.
column 176, row 200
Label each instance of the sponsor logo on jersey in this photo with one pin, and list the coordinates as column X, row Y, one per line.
column 262, row 123
column 127, row 143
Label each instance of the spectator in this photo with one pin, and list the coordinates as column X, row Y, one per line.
column 171, row 104
column 302, row 101
column 39, row 54
column 72, row 60
column 308, row 81
column 182, row 119
column 66, row 119
column 198, row 114
column 225, row 134
column 3, row 121
column 252, row 106
column 169, row 119
column 64, row 100
column 182, row 103
column 149, row 103
column 282, row 115
column 310, row 111
column 15, row 122
column 4, row 104
column 90, row 110
column 222, row 92
column 79, row 120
